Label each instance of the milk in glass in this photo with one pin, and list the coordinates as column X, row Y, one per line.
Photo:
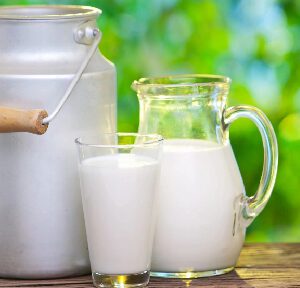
column 118, row 193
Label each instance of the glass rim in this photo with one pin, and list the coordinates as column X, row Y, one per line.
column 68, row 12
column 156, row 140
column 219, row 79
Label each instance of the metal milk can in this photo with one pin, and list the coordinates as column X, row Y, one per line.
column 49, row 60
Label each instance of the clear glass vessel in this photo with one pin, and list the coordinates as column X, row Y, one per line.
column 118, row 176
column 203, row 210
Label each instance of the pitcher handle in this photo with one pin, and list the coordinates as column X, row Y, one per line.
column 252, row 206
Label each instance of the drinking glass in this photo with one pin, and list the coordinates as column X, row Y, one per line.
column 118, row 177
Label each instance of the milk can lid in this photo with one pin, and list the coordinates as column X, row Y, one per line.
column 47, row 12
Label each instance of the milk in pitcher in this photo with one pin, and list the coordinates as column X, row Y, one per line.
column 199, row 193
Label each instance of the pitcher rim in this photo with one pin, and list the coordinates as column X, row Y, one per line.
column 71, row 12
column 141, row 82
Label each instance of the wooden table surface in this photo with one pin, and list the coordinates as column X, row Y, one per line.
column 260, row 265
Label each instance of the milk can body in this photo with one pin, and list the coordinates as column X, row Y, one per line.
column 42, row 232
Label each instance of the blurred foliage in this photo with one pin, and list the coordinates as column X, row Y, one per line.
column 256, row 43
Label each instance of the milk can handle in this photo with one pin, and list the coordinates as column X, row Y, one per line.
column 36, row 121
column 252, row 206
column 88, row 35
column 18, row 120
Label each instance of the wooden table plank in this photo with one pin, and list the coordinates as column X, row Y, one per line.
column 260, row 265
column 270, row 255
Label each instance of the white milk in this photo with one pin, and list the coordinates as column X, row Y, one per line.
column 200, row 186
column 118, row 200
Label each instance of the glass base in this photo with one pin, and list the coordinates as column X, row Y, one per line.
column 121, row 280
column 191, row 274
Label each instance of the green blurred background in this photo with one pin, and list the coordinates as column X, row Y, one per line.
column 255, row 42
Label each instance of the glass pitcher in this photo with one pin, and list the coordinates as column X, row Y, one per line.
column 203, row 210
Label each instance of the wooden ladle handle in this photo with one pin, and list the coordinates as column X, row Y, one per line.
column 17, row 120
